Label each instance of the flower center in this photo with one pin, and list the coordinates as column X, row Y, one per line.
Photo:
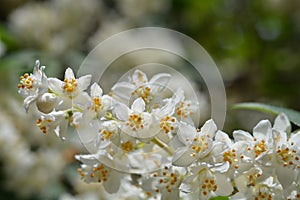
column 42, row 124
column 259, row 148
column 230, row 157
column 200, row 145
column 252, row 178
column 166, row 124
column 26, row 81
column 105, row 134
column 143, row 93
column 70, row 85
column 168, row 180
column 183, row 109
column 127, row 146
column 97, row 104
column 263, row 193
column 287, row 156
column 209, row 185
column 100, row 173
column 135, row 122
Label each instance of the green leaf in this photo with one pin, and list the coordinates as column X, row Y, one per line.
column 294, row 116
column 219, row 198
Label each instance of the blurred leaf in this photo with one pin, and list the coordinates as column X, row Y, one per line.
column 219, row 198
column 7, row 38
column 294, row 116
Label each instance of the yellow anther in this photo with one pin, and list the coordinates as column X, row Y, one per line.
column 96, row 104
column 135, row 121
column 70, row 86
column 26, row 81
column 127, row 146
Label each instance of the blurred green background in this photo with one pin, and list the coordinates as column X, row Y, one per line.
column 254, row 43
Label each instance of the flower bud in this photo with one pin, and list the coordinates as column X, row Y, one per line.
column 46, row 102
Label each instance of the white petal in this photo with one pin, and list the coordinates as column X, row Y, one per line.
column 107, row 102
column 178, row 96
column 69, row 74
column 96, row 90
column 240, row 135
column 123, row 90
column 28, row 101
column 37, row 66
column 223, row 137
column 285, row 175
column 139, row 77
column 223, row 167
column 84, row 82
column 167, row 109
column 174, row 194
column 282, row 123
column 209, row 128
column 121, row 111
column 182, row 157
column 186, row 134
column 295, row 138
column 61, row 129
column 113, row 182
column 159, row 82
column 279, row 136
column 138, row 105
column 224, row 185
column 88, row 159
column 262, row 130
column 83, row 100
column 56, row 85
column 241, row 183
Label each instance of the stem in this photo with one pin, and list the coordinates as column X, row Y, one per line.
column 164, row 146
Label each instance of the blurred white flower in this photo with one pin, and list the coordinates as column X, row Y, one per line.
column 62, row 24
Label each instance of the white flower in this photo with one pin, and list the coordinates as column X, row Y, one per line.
column 208, row 182
column 139, row 86
column 54, row 123
column 128, row 191
column 165, row 122
column 260, row 145
column 184, row 108
column 92, row 170
column 108, row 132
column 136, row 122
column 286, row 152
column 100, row 103
column 70, row 91
column 57, row 122
column 165, row 182
column 32, row 86
column 292, row 192
column 144, row 161
column 250, row 188
column 235, row 154
column 197, row 144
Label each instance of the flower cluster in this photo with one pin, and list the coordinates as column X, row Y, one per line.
column 137, row 136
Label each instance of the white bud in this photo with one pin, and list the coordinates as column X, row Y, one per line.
column 46, row 102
